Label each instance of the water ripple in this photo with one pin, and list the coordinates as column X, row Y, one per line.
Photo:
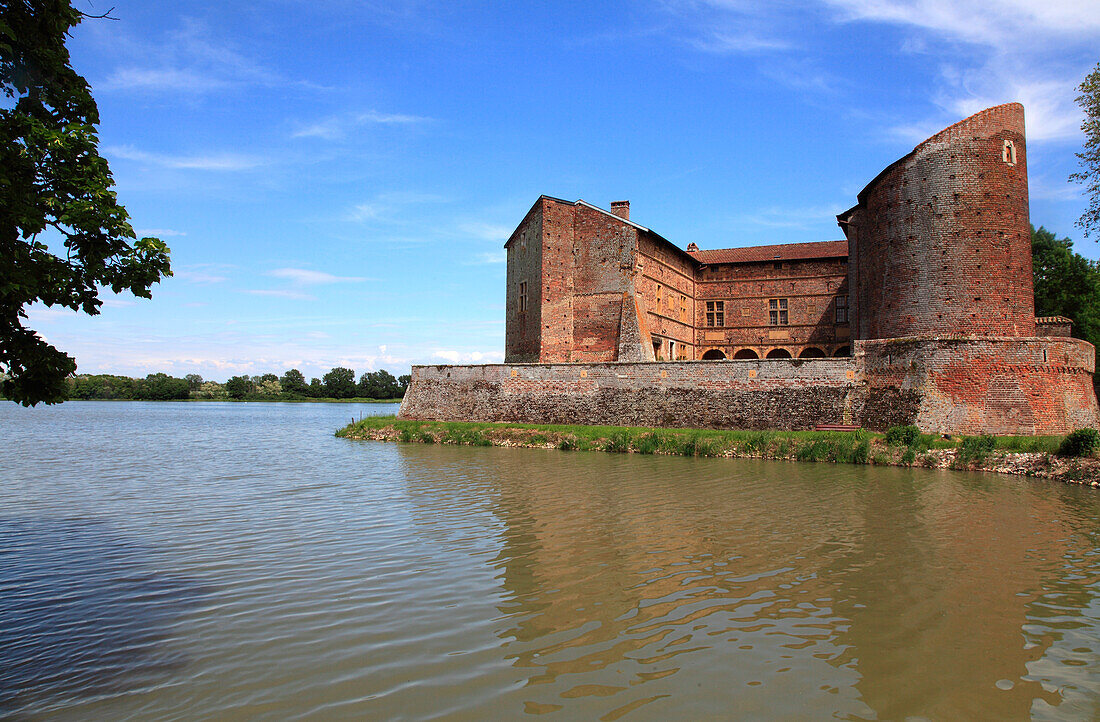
column 181, row 561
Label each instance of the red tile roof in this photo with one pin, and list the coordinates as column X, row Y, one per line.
column 780, row 252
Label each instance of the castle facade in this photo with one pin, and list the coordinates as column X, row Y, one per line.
column 923, row 313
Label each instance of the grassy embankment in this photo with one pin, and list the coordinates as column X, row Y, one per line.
column 901, row 446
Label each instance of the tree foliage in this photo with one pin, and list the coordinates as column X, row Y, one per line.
column 55, row 189
column 340, row 383
column 1066, row 284
column 1089, row 157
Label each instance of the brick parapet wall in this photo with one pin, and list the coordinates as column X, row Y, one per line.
column 991, row 385
column 756, row 394
column 999, row 385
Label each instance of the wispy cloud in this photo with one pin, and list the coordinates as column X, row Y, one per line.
column 207, row 162
column 492, row 258
column 997, row 23
column 306, row 277
column 280, row 293
column 456, row 356
column 486, row 231
column 1008, row 50
column 192, row 59
column 160, row 232
column 383, row 206
column 340, row 126
column 200, row 277
column 791, row 217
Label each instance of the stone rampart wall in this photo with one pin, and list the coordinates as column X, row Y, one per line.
column 947, row 385
column 751, row 394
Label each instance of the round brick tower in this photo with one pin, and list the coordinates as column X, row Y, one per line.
column 940, row 242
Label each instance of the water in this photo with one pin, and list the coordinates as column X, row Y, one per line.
column 236, row 561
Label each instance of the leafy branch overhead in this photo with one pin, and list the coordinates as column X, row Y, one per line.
column 63, row 235
column 1089, row 100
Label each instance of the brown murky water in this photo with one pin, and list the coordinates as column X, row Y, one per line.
column 184, row 561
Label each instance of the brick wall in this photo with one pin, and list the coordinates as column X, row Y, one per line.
column 943, row 385
column 941, row 238
column 660, row 267
column 522, row 335
column 777, row 394
column 988, row 385
column 810, row 288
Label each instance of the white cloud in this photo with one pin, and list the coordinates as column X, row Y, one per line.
column 792, row 217
column 382, row 205
column 200, row 277
column 490, row 258
column 999, row 23
column 214, row 162
column 486, row 231
column 338, row 127
column 455, row 356
column 292, row 295
column 1030, row 52
column 306, row 277
column 191, row 59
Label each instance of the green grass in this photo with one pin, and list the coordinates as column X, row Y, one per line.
column 841, row 447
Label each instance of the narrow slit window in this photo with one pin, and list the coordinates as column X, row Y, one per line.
column 523, row 296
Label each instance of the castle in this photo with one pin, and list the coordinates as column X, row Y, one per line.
column 923, row 314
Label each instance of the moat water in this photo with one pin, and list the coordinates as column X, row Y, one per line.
column 236, row 561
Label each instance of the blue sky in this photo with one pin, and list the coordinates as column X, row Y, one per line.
column 336, row 179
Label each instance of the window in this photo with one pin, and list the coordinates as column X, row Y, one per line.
column 658, row 298
column 777, row 265
column 523, row 296
column 1008, row 153
column 842, row 309
column 683, row 308
column 777, row 311
column 716, row 313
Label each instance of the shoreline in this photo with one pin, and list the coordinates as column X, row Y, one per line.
column 1020, row 456
column 248, row 401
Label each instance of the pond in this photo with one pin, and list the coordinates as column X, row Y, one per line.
column 194, row 560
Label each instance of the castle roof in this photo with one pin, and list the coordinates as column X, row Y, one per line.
column 779, row 252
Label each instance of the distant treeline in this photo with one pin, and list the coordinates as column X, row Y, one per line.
column 339, row 383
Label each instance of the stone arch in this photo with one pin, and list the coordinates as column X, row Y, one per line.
column 811, row 352
column 778, row 353
column 746, row 353
column 713, row 354
column 842, row 351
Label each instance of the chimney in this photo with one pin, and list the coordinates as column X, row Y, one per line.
column 621, row 209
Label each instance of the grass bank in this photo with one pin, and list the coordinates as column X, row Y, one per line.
column 902, row 446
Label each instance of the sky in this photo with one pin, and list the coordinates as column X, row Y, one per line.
column 336, row 179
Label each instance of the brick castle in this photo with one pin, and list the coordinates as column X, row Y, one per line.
column 923, row 314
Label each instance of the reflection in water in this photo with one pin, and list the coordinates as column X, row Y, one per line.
column 234, row 560
column 719, row 587
column 82, row 612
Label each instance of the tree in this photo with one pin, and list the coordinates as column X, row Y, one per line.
column 403, row 382
column 294, row 383
column 63, row 234
column 1089, row 157
column 1066, row 284
column 340, row 383
column 238, row 387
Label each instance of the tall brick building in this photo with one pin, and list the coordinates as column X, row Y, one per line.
column 923, row 314
column 938, row 244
